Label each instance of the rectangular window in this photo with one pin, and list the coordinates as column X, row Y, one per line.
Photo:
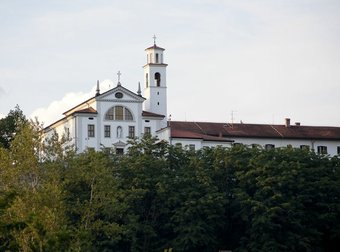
column 304, row 147
column 131, row 131
column 147, row 130
column 338, row 150
column 107, row 130
column 67, row 132
column 90, row 130
column 192, row 147
column 322, row 149
column 156, row 57
column 269, row 146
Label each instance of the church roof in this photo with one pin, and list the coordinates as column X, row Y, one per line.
column 73, row 109
column 155, row 47
column 89, row 110
column 150, row 114
column 120, row 88
column 96, row 97
column 224, row 130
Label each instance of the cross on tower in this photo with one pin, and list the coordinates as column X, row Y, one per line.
column 154, row 39
column 119, row 74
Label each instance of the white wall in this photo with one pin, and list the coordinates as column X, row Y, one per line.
column 61, row 129
column 296, row 143
column 82, row 134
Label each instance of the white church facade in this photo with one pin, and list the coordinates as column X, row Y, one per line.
column 110, row 119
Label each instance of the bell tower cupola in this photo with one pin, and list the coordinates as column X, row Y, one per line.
column 155, row 80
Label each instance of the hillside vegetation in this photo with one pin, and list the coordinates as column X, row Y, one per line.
column 159, row 197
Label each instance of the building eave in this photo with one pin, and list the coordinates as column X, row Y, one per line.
column 147, row 114
column 155, row 47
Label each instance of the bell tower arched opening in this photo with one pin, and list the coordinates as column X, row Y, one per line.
column 158, row 79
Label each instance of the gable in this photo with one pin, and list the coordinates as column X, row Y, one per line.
column 121, row 95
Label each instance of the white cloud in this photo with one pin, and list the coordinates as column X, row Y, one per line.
column 55, row 109
column 264, row 59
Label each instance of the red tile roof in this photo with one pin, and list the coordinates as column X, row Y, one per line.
column 89, row 110
column 155, row 47
column 150, row 114
column 225, row 130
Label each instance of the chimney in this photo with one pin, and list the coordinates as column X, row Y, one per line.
column 297, row 124
column 287, row 124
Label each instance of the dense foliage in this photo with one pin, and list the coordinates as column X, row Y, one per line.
column 159, row 197
column 9, row 126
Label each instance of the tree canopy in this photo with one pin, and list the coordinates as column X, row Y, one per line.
column 160, row 197
column 9, row 126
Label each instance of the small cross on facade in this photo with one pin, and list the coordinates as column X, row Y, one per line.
column 154, row 39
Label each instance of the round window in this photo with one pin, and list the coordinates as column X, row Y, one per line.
column 119, row 95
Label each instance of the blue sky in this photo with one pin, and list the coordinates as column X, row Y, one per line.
column 264, row 60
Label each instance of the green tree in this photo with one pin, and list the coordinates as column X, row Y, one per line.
column 32, row 214
column 144, row 179
column 287, row 200
column 198, row 204
column 93, row 208
column 159, row 197
column 10, row 125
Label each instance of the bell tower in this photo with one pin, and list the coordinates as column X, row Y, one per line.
column 155, row 80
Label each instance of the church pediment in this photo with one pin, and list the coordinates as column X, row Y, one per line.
column 119, row 144
column 120, row 94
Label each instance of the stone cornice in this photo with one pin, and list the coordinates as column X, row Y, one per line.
column 119, row 101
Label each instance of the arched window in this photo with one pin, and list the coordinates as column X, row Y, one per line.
column 109, row 114
column 119, row 113
column 158, row 79
column 128, row 115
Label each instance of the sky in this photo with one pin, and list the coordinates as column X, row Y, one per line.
column 255, row 61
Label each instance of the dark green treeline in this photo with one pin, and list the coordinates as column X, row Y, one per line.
column 159, row 197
